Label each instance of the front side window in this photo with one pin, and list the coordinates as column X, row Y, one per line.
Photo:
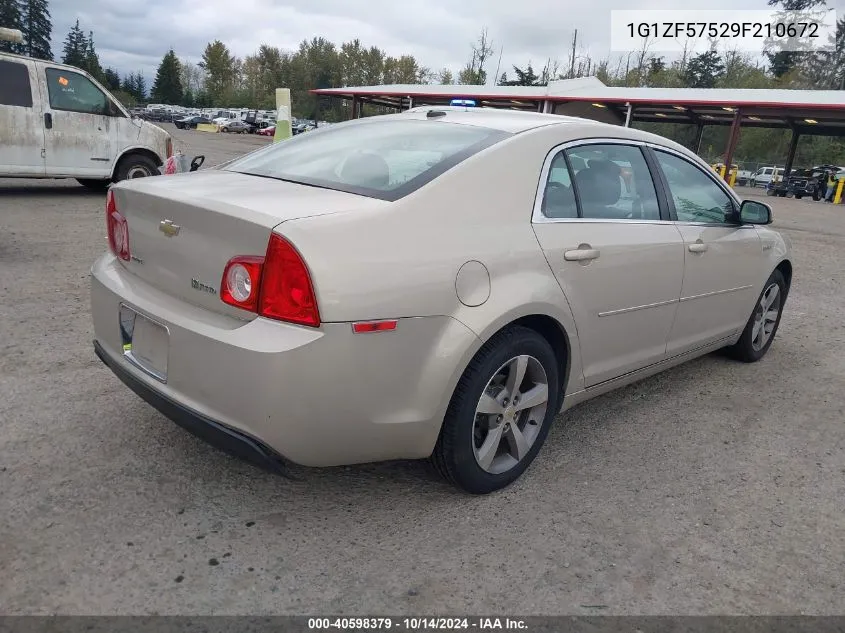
column 381, row 159
column 15, row 89
column 75, row 93
column 696, row 196
column 613, row 181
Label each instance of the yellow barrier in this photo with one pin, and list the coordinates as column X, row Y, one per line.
column 732, row 180
column 837, row 198
column 722, row 172
column 207, row 127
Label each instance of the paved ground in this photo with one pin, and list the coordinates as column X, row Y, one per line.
column 714, row 488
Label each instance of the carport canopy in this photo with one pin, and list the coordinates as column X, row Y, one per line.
column 805, row 112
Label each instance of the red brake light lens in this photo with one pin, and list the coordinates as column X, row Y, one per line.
column 242, row 282
column 118, row 229
column 286, row 290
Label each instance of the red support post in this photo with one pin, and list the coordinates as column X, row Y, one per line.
column 733, row 139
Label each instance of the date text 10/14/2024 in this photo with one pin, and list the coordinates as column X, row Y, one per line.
column 418, row 624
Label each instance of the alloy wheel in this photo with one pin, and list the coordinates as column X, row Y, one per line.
column 765, row 317
column 510, row 414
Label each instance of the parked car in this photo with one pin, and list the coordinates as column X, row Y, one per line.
column 191, row 122
column 57, row 121
column 236, row 127
column 270, row 130
column 765, row 175
column 265, row 325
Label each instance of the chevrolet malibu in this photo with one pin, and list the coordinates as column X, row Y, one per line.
column 438, row 283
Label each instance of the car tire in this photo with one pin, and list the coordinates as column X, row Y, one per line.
column 135, row 166
column 798, row 196
column 467, row 435
column 753, row 344
column 94, row 185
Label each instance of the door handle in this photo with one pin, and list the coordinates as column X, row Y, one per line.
column 581, row 254
column 697, row 247
column 48, row 120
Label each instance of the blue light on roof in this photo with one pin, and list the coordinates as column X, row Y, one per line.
column 467, row 103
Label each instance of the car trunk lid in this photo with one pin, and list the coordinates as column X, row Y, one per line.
column 183, row 229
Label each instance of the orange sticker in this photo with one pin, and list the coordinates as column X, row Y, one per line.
column 63, row 81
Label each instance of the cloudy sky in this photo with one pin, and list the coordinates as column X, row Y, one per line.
column 132, row 35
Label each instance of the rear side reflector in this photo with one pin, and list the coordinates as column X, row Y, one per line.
column 118, row 229
column 374, row 326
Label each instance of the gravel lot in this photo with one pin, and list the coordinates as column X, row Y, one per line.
column 714, row 488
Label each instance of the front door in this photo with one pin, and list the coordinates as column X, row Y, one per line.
column 21, row 127
column 723, row 259
column 618, row 261
column 82, row 130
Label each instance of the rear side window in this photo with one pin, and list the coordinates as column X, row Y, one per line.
column 613, row 182
column 380, row 159
column 75, row 93
column 558, row 196
column 15, row 89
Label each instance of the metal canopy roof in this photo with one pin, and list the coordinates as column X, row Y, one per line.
column 818, row 112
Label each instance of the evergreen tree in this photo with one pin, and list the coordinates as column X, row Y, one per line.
column 140, row 87
column 135, row 85
column 37, row 28
column 704, row 70
column 10, row 18
column 92, row 61
column 112, row 79
column 168, row 83
column 75, row 49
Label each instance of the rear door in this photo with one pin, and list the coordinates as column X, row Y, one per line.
column 723, row 260
column 21, row 125
column 82, row 125
column 614, row 253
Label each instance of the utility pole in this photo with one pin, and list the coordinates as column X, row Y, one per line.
column 572, row 65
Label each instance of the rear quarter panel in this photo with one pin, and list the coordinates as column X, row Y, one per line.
column 402, row 260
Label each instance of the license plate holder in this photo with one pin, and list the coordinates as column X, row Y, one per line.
column 146, row 342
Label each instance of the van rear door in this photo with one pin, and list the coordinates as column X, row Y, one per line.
column 21, row 122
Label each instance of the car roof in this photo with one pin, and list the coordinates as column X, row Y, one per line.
column 516, row 121
column 513, row 121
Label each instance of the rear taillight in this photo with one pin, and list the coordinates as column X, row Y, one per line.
column 277, row 286
column 118, row 229
column 241, row 282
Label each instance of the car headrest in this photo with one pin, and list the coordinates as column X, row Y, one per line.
column 599, row 186
column 366, row 169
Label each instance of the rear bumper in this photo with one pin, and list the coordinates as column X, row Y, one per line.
column 313, row 396
column 218, row 435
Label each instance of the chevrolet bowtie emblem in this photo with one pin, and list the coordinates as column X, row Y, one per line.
column 168, row 228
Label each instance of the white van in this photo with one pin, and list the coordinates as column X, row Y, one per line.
column 56, row 121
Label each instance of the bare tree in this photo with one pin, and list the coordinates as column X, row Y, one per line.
column 473, row 72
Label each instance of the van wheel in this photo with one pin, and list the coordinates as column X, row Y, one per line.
column 500, row 412
column 94, row 185
column 135, row 166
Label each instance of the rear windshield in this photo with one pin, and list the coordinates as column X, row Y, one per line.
column 385, row 159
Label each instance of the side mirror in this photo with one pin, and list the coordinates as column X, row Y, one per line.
column 753, row 212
